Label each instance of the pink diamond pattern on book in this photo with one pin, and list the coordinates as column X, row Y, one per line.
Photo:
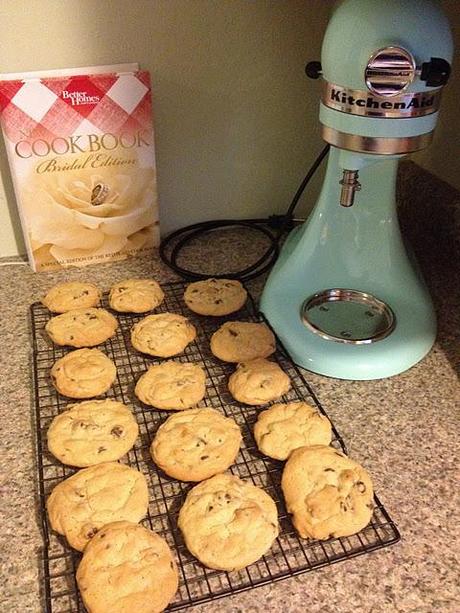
column 9, row 89
column 17, row 124
column 86, row 127
column 143, row 113
column 40, row 132
column 107, row 115
column 34, row 106
column 59, row 119
column 105, row 81
column 57, row 84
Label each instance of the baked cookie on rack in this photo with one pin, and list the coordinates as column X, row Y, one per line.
column 83, row 373
column 287, row 426
column 327, row 493
column 135, row 296
column 215, row 297
column 196, row 444
column 228, row 523
column 258, row 381
column 92, row 432
column 162, row 335
column 172, row 386
column 71, row 295
column 239, row 341
column 82, row 327
column 125, row 568
column 93, row 497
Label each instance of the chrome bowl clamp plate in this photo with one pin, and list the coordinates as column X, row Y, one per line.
column 348, row 316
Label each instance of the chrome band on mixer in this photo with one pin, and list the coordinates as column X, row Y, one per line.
column 364, row 103
column 375, row 144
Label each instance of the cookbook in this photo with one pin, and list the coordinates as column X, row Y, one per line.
column 80, row 146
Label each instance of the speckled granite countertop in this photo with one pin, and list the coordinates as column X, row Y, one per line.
column 404, row 429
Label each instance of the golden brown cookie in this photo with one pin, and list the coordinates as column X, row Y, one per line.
column 172, row 386
column 285, row 427
column 327, row 493
column 258, row 382
column 82, row 327
column 162, row 334
column 71, row 295
column 196, row 444
column 92, row 432
column 240, row 341
column 215, row 297
column 127, row 568
column 135, row 296
column 83, row 373
column 228, row 523
column 93, row 497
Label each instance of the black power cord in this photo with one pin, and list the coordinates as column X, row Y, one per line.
column 272, row 227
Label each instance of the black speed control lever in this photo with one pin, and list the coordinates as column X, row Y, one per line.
column 313, row 70
column 436, row 72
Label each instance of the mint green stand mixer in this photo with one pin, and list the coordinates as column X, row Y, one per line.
column 344, row 296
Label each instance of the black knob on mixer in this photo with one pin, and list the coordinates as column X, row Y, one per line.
column 435, row 72
column 313, row 70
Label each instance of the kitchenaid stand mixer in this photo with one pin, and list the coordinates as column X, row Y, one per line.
column 344, row 296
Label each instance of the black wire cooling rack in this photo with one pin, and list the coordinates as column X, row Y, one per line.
column 289, row 555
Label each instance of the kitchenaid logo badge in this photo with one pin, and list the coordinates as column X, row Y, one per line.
column 370, row 102
column 77, row 98
column 358, row 102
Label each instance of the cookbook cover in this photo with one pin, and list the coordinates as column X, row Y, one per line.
column 81, row 153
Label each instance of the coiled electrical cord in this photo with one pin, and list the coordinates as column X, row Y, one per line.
column 272, row 227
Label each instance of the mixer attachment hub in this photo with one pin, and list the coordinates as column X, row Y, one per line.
column 389, row 71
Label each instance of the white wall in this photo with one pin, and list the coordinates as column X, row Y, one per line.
column 236, row 119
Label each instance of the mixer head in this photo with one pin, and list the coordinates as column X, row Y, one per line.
column 384, row 65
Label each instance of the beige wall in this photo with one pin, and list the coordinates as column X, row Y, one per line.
column 443, row 156
column 236, row 119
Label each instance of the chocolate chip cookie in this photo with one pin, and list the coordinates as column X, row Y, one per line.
column 196, row 444
column 82, row 327
column 228, row 523
column 240, row 341
column 172, row 386
column 93, row 497
column 127, row 568
column 83, row 373
column 71, row 295
column 258, row 382
column 327, row 493
column 285, row 427
column 162, row 334
column 92, row 432
column 215, row 297
column 135, row 296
